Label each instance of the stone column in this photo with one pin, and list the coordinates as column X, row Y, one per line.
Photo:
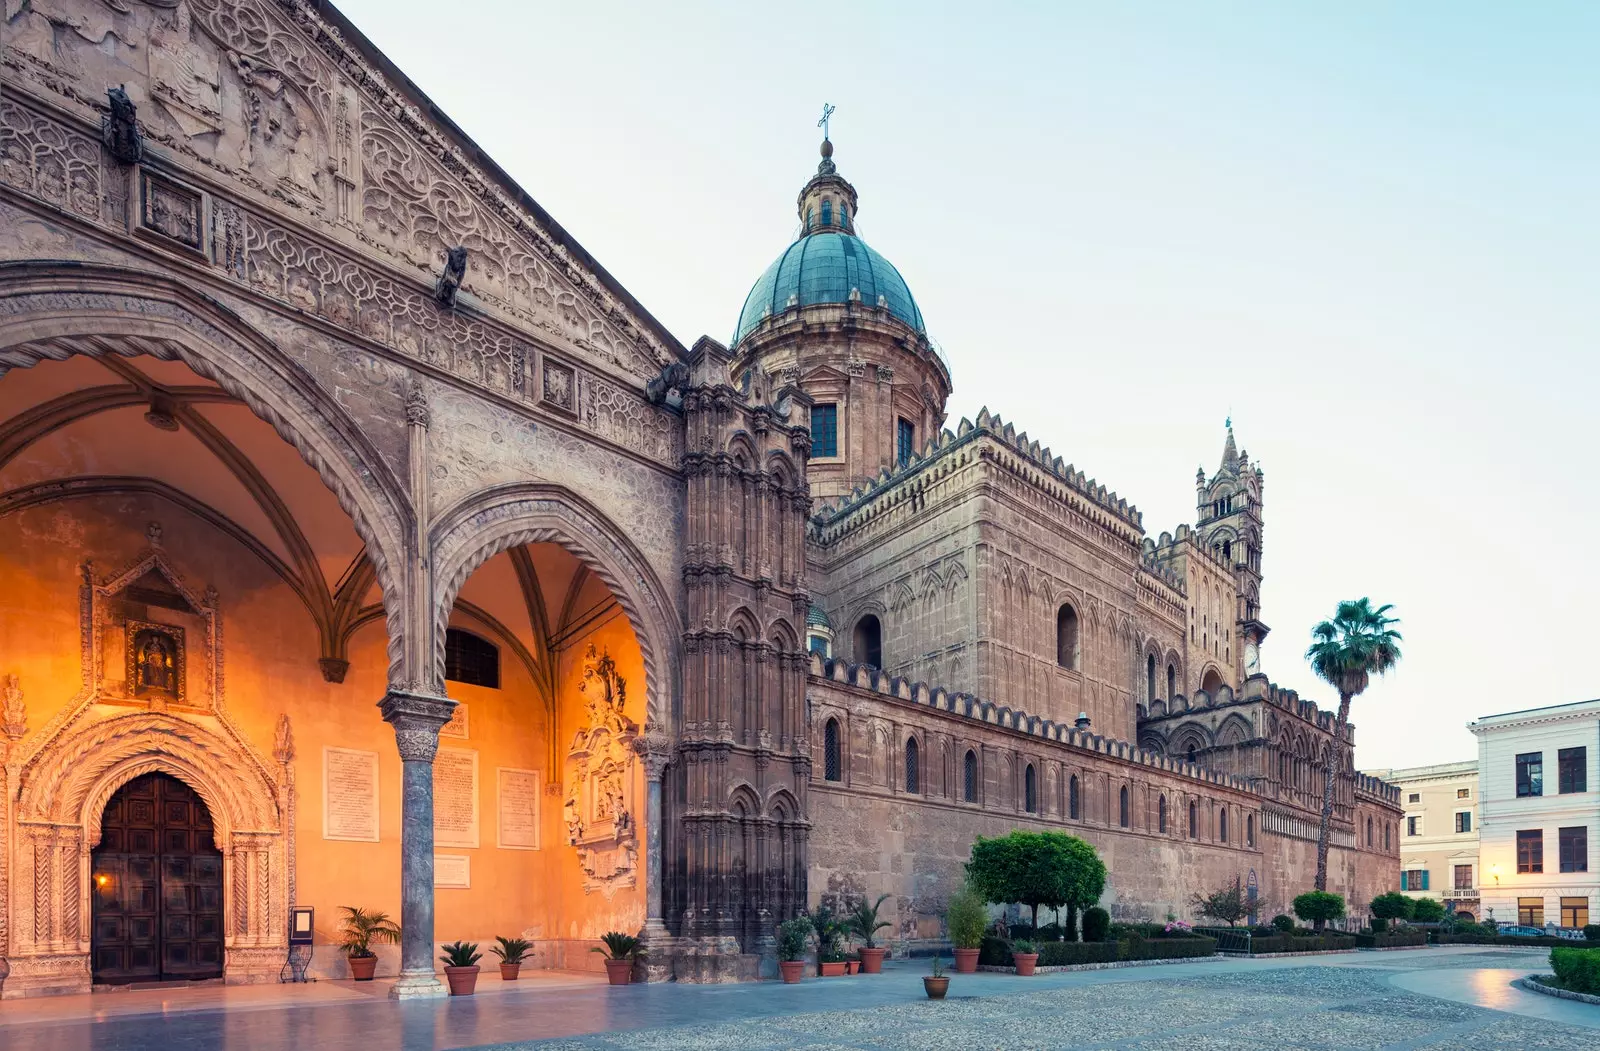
column 654, row 753
column 416, row 718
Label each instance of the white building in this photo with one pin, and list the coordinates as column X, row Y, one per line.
column 1439, row 833
column 1539, row 814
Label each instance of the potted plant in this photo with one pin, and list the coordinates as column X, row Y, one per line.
column 359, row 930
column 864, row 922
column 792, row 935
column 621, row 951
column 1025, row 955
column 965, row 917
column 829, row 930
column 461, row 967
column 937, row 983
column 511, row 951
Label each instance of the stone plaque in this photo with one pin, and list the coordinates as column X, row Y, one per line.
column 350, row 795
column 517, row 809
column 457, row 726
column 452, row 871
column 455, row 797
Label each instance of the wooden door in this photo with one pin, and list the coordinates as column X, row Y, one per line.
column 157, row 879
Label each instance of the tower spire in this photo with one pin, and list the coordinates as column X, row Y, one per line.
column 1230, row 450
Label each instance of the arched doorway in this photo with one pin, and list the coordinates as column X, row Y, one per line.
column 157, row 886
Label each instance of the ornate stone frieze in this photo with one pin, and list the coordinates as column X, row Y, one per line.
column 14, row 714
column 46, row 159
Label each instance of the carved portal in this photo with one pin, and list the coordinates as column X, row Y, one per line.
column 600, row 778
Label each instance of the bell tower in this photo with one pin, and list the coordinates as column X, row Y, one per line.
column 1229, row 523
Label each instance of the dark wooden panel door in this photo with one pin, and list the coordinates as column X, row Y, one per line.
column 157, row 878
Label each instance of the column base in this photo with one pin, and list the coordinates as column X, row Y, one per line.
column 417, row 986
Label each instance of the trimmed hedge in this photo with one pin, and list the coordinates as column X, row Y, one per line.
column 1307, row 943
column 1577, row 969
column 1502, row 939
column 1391, row 939
column 996, row 953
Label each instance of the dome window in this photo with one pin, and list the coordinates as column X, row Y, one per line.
column 827, row 212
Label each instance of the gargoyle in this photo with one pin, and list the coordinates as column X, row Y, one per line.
column 455, row 270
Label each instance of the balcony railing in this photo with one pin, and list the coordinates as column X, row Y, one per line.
column 1461, row 893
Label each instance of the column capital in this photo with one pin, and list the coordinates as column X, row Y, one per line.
column 416, row 718
column 655, row 750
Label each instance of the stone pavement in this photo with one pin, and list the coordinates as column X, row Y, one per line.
column 1420, row 1000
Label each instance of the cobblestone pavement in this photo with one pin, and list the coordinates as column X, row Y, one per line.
column 1316, row 1008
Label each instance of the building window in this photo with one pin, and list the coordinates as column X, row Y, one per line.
column 1414, row 879
column 1463, row 793
column 1172, row 681
column 1414, row 797
column 819, row 644
column 1369, row 832
column 1414, row 825
column 1249, row 830
column 824, row 430
column 1222, row 825
column 1161, row 815
column 827, row 212
column 1573, row 845
column 905, row 440
column 1574, row 912
column 1072, row 797
column 844, row 214
column 1530, row 912
column 1150, row 677
column 811, row 213
column 470, row 659
column 832, row 758
column 1464, row 821
column 1530, row 774
column 1122, row 807
column 1572, row 772
column 1387, row 829
column 1030, row 790
column 913, row 781
column 869, row 641
column 969, row 777
column 1194, row 821
column 1463, row 877
column 1067, row 636
column 1530, row 850
column 1188, row 755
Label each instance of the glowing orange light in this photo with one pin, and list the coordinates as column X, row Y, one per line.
column 102, row 880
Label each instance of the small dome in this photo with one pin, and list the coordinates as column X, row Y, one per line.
column 824, row 268
column 816, row 618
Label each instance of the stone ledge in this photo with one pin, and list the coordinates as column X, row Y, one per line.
column 1108, row 965
column 1533, row 985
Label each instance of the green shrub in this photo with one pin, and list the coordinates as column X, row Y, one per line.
column 1591, row 931
column 1318, row 906
column 1427, row 910
column 1379, row 924
column 792, row 935
column 1577, row 969
column 1390, row 906
column 1096, row 924
column 995, row 952
column 1283, row 923
column 1306, row 942
column 1063, row 954
column 966, row 917
column 1392, row 939
column 1478, row 938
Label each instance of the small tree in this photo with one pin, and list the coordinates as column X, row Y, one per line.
column 1390, row 906
column 1317, row 907
column 1051, row 869
column 1427, row 910
column 1227, row 905
column 966, row 916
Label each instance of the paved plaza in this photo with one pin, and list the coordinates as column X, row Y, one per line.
column 1453, row 998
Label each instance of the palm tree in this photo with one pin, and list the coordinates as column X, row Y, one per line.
column 1346, row 651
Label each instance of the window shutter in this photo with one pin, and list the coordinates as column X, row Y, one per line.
column 1424, row 879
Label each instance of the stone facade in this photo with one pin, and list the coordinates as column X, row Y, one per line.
column 311, row 420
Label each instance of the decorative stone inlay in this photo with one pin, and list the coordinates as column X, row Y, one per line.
column 170, row 210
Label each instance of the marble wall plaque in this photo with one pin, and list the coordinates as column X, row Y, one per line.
column 350, row 795
column 455, row 797
column 517, row 809
column 452, row 871
column 457, row 726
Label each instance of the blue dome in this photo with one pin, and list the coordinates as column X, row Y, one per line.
column 823, row 268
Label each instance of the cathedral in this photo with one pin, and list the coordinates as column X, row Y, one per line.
column 366, row 544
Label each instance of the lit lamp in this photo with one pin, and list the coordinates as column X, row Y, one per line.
column 1494, row 870
column 101, row 880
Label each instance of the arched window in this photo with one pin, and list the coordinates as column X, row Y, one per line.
column 1222, row 825
column 1227, row 550
column 1369, row 832
column 1172, row 682
column 1194, row 821
column 1030, row 790
column 969, row 777
column 827, row 212
column 1250, row 830
column 1072, row 797
column 810, row 214
column 1067, row 636
column 1386, row 828
column 869, row 641
column 832, row 758
column 1122, row 807
column 471, row 659
column 1189, row 755
column 1162, row 816
column 844, row 214
column 1150, row 677
column 913, row 780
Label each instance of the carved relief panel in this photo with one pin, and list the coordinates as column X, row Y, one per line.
column 598, row 809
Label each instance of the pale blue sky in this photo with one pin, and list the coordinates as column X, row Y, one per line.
column 1368, row 230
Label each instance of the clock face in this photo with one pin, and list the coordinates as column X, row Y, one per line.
column 1252, row 658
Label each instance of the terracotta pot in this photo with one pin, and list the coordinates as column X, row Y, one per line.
column 872, row 960
column 833, row 970
column 463, row 980
column 792, row 970
column 619, row 972
column 852, row 966
column 361, row 967
column 966, row 961
column 1025, row 961
column 936, row 987
column 509, row 971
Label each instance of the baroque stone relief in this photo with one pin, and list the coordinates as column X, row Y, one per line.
column 598, row 809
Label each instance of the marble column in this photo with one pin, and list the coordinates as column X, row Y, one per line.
column 654, row 753
column 416, row 718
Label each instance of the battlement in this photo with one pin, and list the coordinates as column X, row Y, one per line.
column 1256, row 688
column 1166, row 547
column 968, row 431
column 874, row 680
